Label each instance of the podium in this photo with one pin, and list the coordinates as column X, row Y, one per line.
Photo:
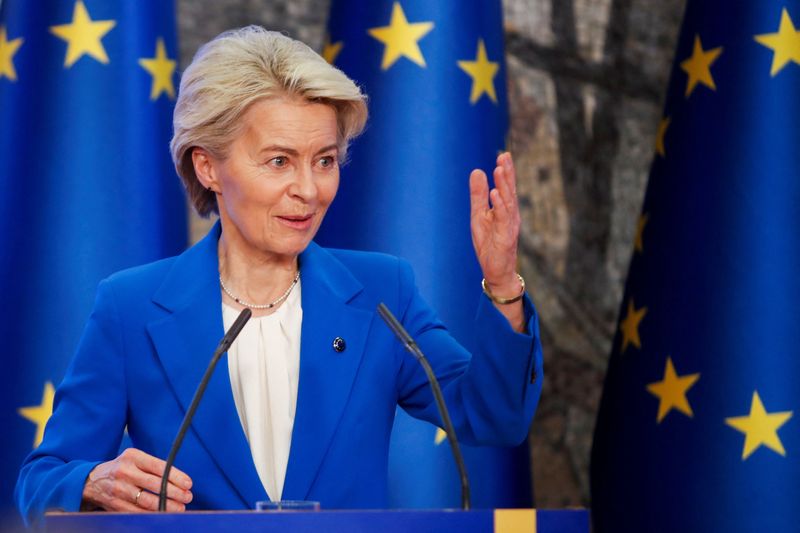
column 349, row 521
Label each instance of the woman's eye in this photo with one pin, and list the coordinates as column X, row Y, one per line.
column 279, row 161
column 327, row 161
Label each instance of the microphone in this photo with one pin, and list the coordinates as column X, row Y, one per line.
column 410, row 345
column 223, row 346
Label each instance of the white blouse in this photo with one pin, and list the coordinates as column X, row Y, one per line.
column 264, row 369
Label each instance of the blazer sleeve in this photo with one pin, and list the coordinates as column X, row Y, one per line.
column 492, row 393
column 88, row 419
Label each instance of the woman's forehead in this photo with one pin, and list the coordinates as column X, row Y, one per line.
column 290, row 122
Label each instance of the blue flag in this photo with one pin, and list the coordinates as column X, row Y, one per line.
column 699, row 424
column 87, row 90
column 435, row 77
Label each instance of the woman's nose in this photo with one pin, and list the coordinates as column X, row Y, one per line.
column 303, row 184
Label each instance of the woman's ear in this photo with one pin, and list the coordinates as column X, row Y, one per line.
column 204, row 168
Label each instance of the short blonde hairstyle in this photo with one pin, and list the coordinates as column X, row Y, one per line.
column 235, row 70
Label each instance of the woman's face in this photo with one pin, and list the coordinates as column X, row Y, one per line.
column 281, row 175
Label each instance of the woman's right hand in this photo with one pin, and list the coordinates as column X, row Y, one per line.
column 131, row 483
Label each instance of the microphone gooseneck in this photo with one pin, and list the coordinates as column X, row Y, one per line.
column 410, row 345
column 223, row 346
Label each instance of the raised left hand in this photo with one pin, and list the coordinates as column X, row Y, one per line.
column 495, row 233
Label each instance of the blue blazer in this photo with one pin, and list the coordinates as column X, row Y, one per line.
column 151, row 336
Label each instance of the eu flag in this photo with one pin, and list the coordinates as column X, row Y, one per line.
column 87, row 89
column 698, row 427
column 435, row 77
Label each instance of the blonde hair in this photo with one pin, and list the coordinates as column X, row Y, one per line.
column 235, row 70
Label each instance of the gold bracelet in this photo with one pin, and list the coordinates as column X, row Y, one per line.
column 504, row 301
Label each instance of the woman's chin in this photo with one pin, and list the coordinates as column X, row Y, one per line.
column 293, row 249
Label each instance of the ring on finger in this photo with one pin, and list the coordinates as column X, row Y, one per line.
column 136, row 500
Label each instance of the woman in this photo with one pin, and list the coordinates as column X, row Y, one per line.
column 262, row 124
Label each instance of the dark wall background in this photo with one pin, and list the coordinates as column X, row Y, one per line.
column 586, row 81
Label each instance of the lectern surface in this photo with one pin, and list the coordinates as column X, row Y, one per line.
column 390, row 521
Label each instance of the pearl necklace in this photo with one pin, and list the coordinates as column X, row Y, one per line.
column 270, row 305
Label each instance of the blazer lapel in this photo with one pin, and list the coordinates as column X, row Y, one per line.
column 326, row 376
column 185, row 342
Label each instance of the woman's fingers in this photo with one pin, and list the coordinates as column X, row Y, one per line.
column 147, row 475
column 508, row 165
column 478, row 192
column 501, row 185
column 504, row 207
column 505, row 183
column 154, row 465
column 499, row 207
column 152, row 483
column 115, row 485
column 502, row 216
column 148, row 501
column 150, row 471
column 126, row 497
column 479, row 207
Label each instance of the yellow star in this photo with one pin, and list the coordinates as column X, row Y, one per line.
column 7, row 51
column 482, row 71
column 671, row 391
column 785, row 43
column 760, row 427
column 630, row 326
column 401, row 38
column 441, row 435
column 662, row 131
column 161, row 68
column 638, row 241
column 698, row 67
column 39, row 414
column 330, row 51
column 83, row 36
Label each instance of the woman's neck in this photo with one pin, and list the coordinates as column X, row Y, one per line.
column 251, row 275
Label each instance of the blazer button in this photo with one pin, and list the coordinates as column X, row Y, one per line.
column 339, row 345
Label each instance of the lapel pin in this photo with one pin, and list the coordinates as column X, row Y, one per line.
column 339, row 345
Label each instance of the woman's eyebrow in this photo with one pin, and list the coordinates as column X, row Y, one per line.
column 292, row 151
column 278, row 148
column 328, row 148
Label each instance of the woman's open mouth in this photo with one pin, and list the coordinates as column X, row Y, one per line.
column 299, row 222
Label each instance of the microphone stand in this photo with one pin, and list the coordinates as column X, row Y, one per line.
column 224, row 344
column 410, row 345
